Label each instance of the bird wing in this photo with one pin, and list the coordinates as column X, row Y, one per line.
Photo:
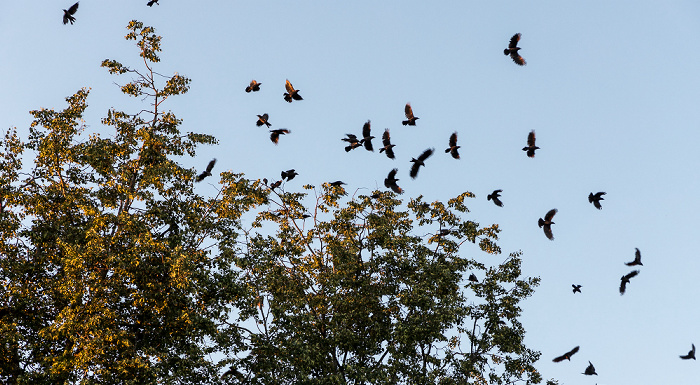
column 497, row 201
column 390, row 153
column 408, row 111
column 574, row 350
column 560, row 358
column 211, row 164
column 453, row 139
column 550, row 214
column 548, row 232
column 414, row 169
column 514, row 41
column 366, row 129
column 274, row 136
column 597, row 205
column 517, row 58
column 637, row 255
column 632, row 274
column 73, row 8
column 623, row 286
column 289, row 87
column 386, row 138
column 531, row 138
column 426, row 154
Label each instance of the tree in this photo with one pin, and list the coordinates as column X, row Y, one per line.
column 114, row 271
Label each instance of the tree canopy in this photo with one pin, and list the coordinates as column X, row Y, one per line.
column 115, row 271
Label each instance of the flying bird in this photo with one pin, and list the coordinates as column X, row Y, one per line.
column 577, row 289
column 367, row 137
column 390, row 182
column 420, row 162
column 207, row 172
column 637, row 259
column 625, row 280
column 411, row 119
column 353, row 142
column 691, row 354
column 513, row 49
column 596, row 198
column 531, row 145
column 590, row 370
column 453, row 146
column 68, row 14
column 150, row 3
column 388, row 147
column 494, row 197
column 289, row 174
column 547, row 223
column 254, row 86
column 291, row 93
column 262, row 119
column 275, row 134
column 567, row 355
column 337, row 183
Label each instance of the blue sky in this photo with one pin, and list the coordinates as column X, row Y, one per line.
column 611, row 89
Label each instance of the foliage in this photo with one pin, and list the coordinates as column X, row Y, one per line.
column 114, row 271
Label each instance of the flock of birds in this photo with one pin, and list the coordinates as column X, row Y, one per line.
column 353, row 141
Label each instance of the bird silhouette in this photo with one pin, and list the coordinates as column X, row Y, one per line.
column 691, row 354
column 472, row 278
column 291, row 94
column 637, row 259
column 513, row 49
column 367, row 137
column 547, row 223
column 289, row 174
column 420, row 162
column 352, row 141
column 275, row 184
column 262, row 119
column 596, row 198
column 494, row 197
column 625, row 280
column 567, row 355
column 254, row 86
column 577, row 289
column 150, row 3
column 453, row 146
column 411, row 119
column 337, row 183
column 388, row 147
column 531, row 145
column 207, row 172
column 275, row 134
column 68, row 14
column 390, row 182
column 590, row 370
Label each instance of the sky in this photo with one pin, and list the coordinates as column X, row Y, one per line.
column 611, row 89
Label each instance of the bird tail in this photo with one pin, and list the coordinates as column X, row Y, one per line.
column 506, row 52
column 405, row 122
column 540, row 222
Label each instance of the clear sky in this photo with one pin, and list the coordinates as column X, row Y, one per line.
column 611, row 88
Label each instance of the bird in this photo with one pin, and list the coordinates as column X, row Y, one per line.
column 388, row 147
column 275, row 185
column 547, row 223
column 254, row 86
column 390, row 182
column 275, row 134
column 531, row 145
column 353, row 142
column 453, row 146
column 596, row 198
column 472, row 278
column 367, row 137
column 625, row 280
column 411, row 119
column 567, row 355
column 68, row 14
column 291, row 93
column 513, row 49
column 590, row 370
column 494, row 197
column 206, row 173
column 691, row 354
column 337, row 183
column 443, row 233
column 420, row 162
column 637, row 259
column 150, row 3
column 262, row 119
column 577, row 289
column 289, row 174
